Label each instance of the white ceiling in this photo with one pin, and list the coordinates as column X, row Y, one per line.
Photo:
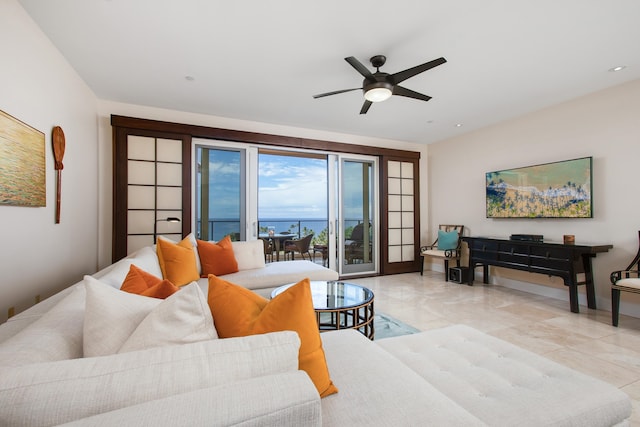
column 263, row 60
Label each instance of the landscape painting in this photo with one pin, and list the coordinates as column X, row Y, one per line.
column 551, row 190
column 22, row 163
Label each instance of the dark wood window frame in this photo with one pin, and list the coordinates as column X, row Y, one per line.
column 124, row 126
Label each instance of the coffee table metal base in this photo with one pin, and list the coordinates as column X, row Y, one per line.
column 340, row 305
column 360, row 318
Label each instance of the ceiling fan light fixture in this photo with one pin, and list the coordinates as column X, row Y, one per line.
column 378, row 94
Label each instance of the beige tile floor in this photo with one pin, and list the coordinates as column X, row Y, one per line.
column 584, row 341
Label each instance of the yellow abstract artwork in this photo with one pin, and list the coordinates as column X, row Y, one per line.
column 22, row 164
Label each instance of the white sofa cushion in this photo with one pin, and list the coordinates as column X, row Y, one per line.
column 377, row 389
column 117, row 321
column 275, row 274
column 57, row 335
column 500, row 383
column 288, row 399
column 56, row 392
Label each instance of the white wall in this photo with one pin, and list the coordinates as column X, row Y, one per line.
column 605, row 125
column 106, row 109
column 38, row 87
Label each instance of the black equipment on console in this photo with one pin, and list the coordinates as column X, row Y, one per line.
column 527, row 237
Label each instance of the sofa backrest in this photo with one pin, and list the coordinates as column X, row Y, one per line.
column 145, row 258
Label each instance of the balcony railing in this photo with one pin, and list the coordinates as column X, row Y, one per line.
column 218, row 228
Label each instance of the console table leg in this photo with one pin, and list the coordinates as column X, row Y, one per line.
column 485, row 274
column 591, row 294
column 573, row 298
column 588, row 281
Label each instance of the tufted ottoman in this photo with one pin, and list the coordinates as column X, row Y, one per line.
column 502, row 384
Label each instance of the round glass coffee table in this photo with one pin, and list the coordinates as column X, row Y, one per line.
column 340, row 305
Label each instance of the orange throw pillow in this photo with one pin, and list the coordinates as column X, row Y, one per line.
column 217, row 258
column 177, row 261
column 140, row 282
column 239, row 312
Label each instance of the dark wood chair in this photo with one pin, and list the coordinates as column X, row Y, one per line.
column 268, row 250
column 302, row 245
column 446, row 253
column 354, row 246
column 627, row 280
column 324, row 251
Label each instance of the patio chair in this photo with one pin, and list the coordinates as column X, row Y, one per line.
column 302, row 245
column 355, row 245
column 268, row 250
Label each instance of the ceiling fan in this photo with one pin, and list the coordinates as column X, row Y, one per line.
column 379, row 86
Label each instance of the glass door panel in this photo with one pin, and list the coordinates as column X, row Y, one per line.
column 357, row 209
column 292, row 201
column 220, row 193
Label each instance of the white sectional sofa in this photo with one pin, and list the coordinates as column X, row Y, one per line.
column 454, row 376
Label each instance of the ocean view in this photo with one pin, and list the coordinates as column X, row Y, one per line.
column 220, row 227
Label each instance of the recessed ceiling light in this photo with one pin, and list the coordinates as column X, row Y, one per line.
column 618, row 68
column 458, row 125
column 189, row 78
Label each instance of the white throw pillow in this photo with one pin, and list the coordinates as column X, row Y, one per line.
column 182, row 318
column 111, row 316
column 249, row 254
column 57, row 335
column 117, row 321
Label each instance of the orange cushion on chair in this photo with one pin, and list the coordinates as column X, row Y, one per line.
column 140, row 282
column 177, row 261
column 239, row 312
column 217, row 258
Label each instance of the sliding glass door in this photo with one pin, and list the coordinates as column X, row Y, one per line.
column 356, row 214
column 332, row 196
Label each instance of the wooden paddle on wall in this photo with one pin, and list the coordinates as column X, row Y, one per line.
column 58, row 154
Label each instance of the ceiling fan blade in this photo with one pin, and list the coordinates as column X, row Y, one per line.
column 404, row 75
column 365, row 107
column 359, row 67
column 336, row 92
column 403, row 91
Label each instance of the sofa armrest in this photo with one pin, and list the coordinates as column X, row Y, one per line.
column 288, row 399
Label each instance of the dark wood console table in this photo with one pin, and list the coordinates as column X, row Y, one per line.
column 552, row 259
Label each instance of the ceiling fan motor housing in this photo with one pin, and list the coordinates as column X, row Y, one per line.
column 378, row 60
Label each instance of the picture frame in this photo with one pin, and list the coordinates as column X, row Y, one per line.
column 560, row 189
column 22, row 164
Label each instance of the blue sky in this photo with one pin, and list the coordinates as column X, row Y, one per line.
column 291, row 187
column 288, row 186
